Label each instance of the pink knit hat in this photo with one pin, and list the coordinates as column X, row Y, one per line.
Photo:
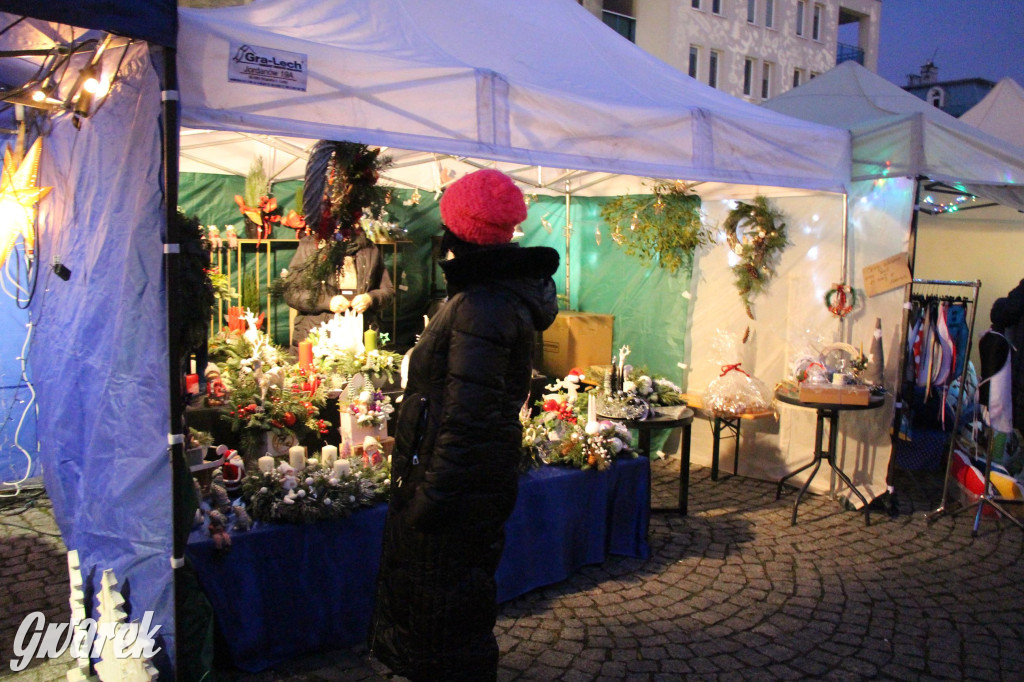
column 483, row 207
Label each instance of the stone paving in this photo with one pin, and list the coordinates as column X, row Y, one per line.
column 730, row 592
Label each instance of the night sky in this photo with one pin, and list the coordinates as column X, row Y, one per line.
column 965, row 39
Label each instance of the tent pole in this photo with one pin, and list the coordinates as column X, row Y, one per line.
column 172, row 277
column 901, row 354
column 568, row 242
column 844, row 262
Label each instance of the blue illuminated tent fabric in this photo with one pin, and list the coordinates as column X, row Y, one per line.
column 155, row 21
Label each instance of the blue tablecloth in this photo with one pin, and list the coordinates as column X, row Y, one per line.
column 286, row 590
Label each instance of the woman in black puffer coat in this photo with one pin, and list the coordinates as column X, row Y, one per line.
column 458, row 440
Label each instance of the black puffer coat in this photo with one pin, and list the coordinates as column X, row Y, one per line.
column 454, row 469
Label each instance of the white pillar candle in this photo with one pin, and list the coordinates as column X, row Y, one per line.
column 591, row 408
column 297, row 457
column 266, row 463
column 342, row 468
column 328, row 455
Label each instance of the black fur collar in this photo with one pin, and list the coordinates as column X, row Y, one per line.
column 508, row 261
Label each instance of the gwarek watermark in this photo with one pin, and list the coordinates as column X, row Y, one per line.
column 85, row 638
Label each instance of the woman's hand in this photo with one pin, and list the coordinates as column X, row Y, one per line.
column 339, row 304
column 361, row 303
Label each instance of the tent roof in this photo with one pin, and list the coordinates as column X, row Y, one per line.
column 1000, row 112
column 536, row 83
column 896, row 134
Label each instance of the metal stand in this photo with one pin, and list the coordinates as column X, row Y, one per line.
column 829, row 456
column 720, row 425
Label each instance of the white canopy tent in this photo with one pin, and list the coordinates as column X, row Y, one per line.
column 1000, row 112
column 534, row 83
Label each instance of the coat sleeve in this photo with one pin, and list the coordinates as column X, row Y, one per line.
column 466, row 460
column 380, row 287
column 296, row 294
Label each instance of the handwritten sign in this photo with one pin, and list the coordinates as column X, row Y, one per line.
column 887, row 274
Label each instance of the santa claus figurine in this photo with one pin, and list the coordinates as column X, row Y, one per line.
column 213, row 237
column 233, row 470
column 231, row 236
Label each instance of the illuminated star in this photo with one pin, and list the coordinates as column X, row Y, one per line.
column 18, row 198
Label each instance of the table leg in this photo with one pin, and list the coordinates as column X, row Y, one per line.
column 833, row 447
column 736, row 449
column 684, row 472
column 715, row 444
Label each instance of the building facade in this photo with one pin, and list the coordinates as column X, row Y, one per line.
column 753, row 49
column 954, row 97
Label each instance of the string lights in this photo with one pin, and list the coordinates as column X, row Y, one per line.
column 959, row 203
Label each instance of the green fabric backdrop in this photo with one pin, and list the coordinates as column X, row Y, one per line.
column 652, row 315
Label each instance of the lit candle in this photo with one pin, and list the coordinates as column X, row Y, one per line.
column 591, row 408
column 370, row 339
column 297, row 457
column 342, row 468
column 328, row 455
column 266, row 463
column 305, row 354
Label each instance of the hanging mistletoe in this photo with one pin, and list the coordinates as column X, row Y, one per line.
column 666, row 224
column 755, row 232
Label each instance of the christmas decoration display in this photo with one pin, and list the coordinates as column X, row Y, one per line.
column 666, row 224
column 734, row 391
column 196, row 291
column 218, row 530
column 841, row 299
column 757, row 236
column 258, row 208
column 133, row 664
column 315, row 492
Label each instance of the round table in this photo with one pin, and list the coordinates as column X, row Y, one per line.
column 655, row 422
column 829, row 411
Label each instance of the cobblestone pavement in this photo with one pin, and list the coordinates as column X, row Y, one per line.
column 733, row 592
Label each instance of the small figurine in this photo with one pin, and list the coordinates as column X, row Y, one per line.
column 242, row 520
column 232, row 471
column 231, row 236
column 219, row 531
column 219, row 498
column 371, row 452
column 213, row 237
column 216, row 392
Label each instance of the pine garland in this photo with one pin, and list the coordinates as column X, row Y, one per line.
column 759, row 248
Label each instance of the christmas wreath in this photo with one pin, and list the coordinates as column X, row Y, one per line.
column 340, row 189
column 755, row 233
column 841, row 299
column 666, row 224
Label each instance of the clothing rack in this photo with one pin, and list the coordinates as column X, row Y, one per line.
column 938, row 290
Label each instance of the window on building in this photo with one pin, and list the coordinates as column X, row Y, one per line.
column 769, row 13
column 713, row 58
column 819, row 11
column 624, row 25
column 748, row 76
column 695, row 4
column 936, row 97
column 751, row 11
column 801, row 8
column 766, row 80
column 798, row 78
column 814, row 74
column 716, row 6
column 694, row 61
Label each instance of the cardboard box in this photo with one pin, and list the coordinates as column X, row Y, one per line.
column 576, row 339
column 836, row 395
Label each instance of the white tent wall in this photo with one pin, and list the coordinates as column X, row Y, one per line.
column 791, row 316
column 99, row 352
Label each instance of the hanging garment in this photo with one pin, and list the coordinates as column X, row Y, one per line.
column 956, row 321
column 999, row 411
column 945, row 347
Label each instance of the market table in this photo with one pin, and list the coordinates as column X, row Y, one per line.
column 830, row 412
column 678, row 419
column 285, row 590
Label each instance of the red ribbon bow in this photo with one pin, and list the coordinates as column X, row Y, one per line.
column 731, row 368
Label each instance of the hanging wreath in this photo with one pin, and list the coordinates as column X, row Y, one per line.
column 666, row 224
column 841, row 299
column 340, row 188
column 755, row 233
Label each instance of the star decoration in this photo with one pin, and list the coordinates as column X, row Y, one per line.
column 18, row 198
